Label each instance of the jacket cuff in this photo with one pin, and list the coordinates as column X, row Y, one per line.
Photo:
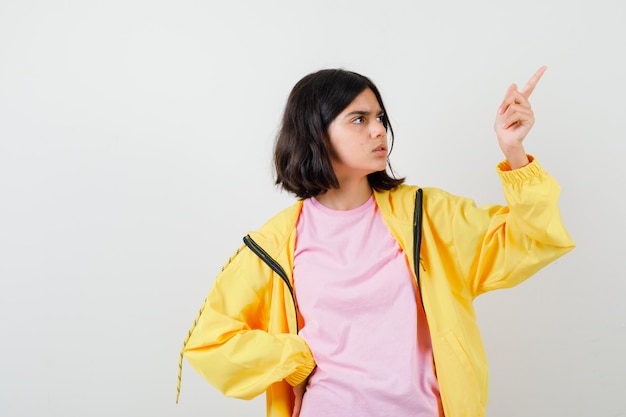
column 302, row 371
column 520, row 175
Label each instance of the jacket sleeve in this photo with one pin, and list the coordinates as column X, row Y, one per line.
column 501, row 246
column 229, row 344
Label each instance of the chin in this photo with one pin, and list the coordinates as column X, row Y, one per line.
column 378, row 170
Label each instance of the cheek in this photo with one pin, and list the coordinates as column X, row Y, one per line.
column 338, row 154
column 335, row 149
column 338, row 145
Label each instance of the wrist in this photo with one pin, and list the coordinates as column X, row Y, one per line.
column 516, row 156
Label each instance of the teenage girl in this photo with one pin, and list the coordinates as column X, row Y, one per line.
column 357, row 300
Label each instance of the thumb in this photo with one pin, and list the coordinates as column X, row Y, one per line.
column 508, row 99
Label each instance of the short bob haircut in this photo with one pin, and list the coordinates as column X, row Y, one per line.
column 302, row 149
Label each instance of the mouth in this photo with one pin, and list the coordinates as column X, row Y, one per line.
column 381, row 148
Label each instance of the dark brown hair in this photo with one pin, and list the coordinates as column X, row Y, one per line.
column 302, row 149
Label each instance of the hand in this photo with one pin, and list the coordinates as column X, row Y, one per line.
column 514, row 120
column 298, row 392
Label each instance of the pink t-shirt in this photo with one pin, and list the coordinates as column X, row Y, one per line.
column 363, row 319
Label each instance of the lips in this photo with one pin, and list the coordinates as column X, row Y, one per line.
column 380, row 152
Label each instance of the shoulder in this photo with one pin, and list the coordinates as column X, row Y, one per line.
column 400, row 201
column 277, row 230
column 400, row 196
column 283, row 220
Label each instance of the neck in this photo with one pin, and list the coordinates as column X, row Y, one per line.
column 348, row 196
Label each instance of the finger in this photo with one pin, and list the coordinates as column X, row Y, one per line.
column 517, row 101
column 513, row 99
column 520, row 116
column 509, row 98
column 532, row 83
column 296, row 407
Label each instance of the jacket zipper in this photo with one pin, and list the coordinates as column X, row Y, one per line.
column 417, row 240
column 275, row 266
column 417, row 245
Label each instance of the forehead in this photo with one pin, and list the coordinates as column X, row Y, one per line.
column 366, row 101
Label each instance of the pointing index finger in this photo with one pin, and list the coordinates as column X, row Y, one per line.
column 532, row 83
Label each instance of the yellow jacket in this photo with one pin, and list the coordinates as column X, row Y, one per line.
column 245, row 342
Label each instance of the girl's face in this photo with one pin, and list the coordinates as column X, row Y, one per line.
column 358, row 139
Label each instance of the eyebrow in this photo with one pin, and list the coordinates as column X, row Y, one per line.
column 363, row 113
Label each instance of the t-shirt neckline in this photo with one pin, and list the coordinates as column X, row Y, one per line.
column 355, row 211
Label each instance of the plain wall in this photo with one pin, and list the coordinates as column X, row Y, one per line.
column 135, row 147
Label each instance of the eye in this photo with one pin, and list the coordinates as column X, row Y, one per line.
column 358, row 120
column 380, row 118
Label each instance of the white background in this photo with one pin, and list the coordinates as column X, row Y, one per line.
column 135, row 148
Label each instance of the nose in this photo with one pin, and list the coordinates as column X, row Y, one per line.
column 378, row 129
